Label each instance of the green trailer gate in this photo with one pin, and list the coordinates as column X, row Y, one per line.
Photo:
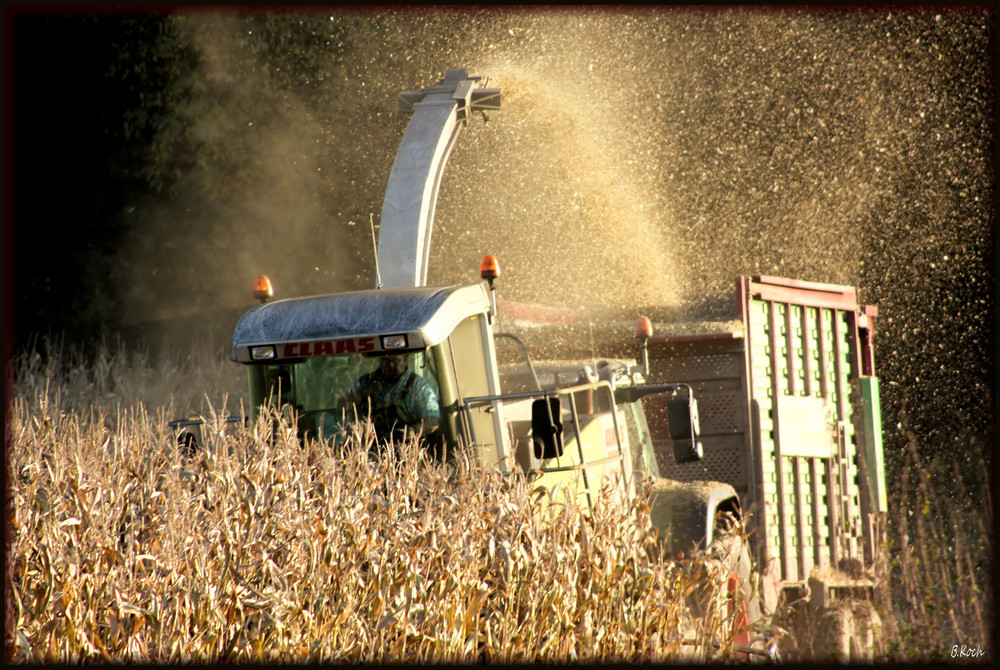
column 789, row 417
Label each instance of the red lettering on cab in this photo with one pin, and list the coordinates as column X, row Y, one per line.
column 328, row 347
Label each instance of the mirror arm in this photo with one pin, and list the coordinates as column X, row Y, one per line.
column 632, row 393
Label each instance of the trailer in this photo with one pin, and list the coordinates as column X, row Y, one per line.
column 789, row 416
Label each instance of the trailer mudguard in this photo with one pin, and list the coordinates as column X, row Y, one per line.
column 683, row 513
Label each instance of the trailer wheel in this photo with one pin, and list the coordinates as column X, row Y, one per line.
column 848, row 631
column 836, row 633
column 866, row 640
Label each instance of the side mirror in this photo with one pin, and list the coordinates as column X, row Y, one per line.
column 188, row 435
column 682, row 425
column 682, row 418
column 546, row 428
column 187, row 443
column 688, row 451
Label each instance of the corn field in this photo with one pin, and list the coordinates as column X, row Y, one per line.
column 260, row 548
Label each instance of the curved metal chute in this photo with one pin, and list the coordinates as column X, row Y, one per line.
column 439, row 113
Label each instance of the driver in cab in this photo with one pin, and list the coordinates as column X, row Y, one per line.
column 400, row 401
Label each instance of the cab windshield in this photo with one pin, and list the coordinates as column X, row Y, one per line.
column 399, row 393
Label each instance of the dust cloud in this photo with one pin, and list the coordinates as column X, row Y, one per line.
column 546, row 189
column 640, row 158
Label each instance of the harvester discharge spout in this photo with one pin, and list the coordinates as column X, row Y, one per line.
column 438, row 114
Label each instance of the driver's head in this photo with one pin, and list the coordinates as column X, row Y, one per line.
column 393, row 367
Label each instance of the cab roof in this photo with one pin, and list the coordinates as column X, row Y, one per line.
column 426, row 314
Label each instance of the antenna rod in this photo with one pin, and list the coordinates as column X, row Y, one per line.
column 378, row 276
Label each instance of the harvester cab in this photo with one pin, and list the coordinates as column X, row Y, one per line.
column 329, row 346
